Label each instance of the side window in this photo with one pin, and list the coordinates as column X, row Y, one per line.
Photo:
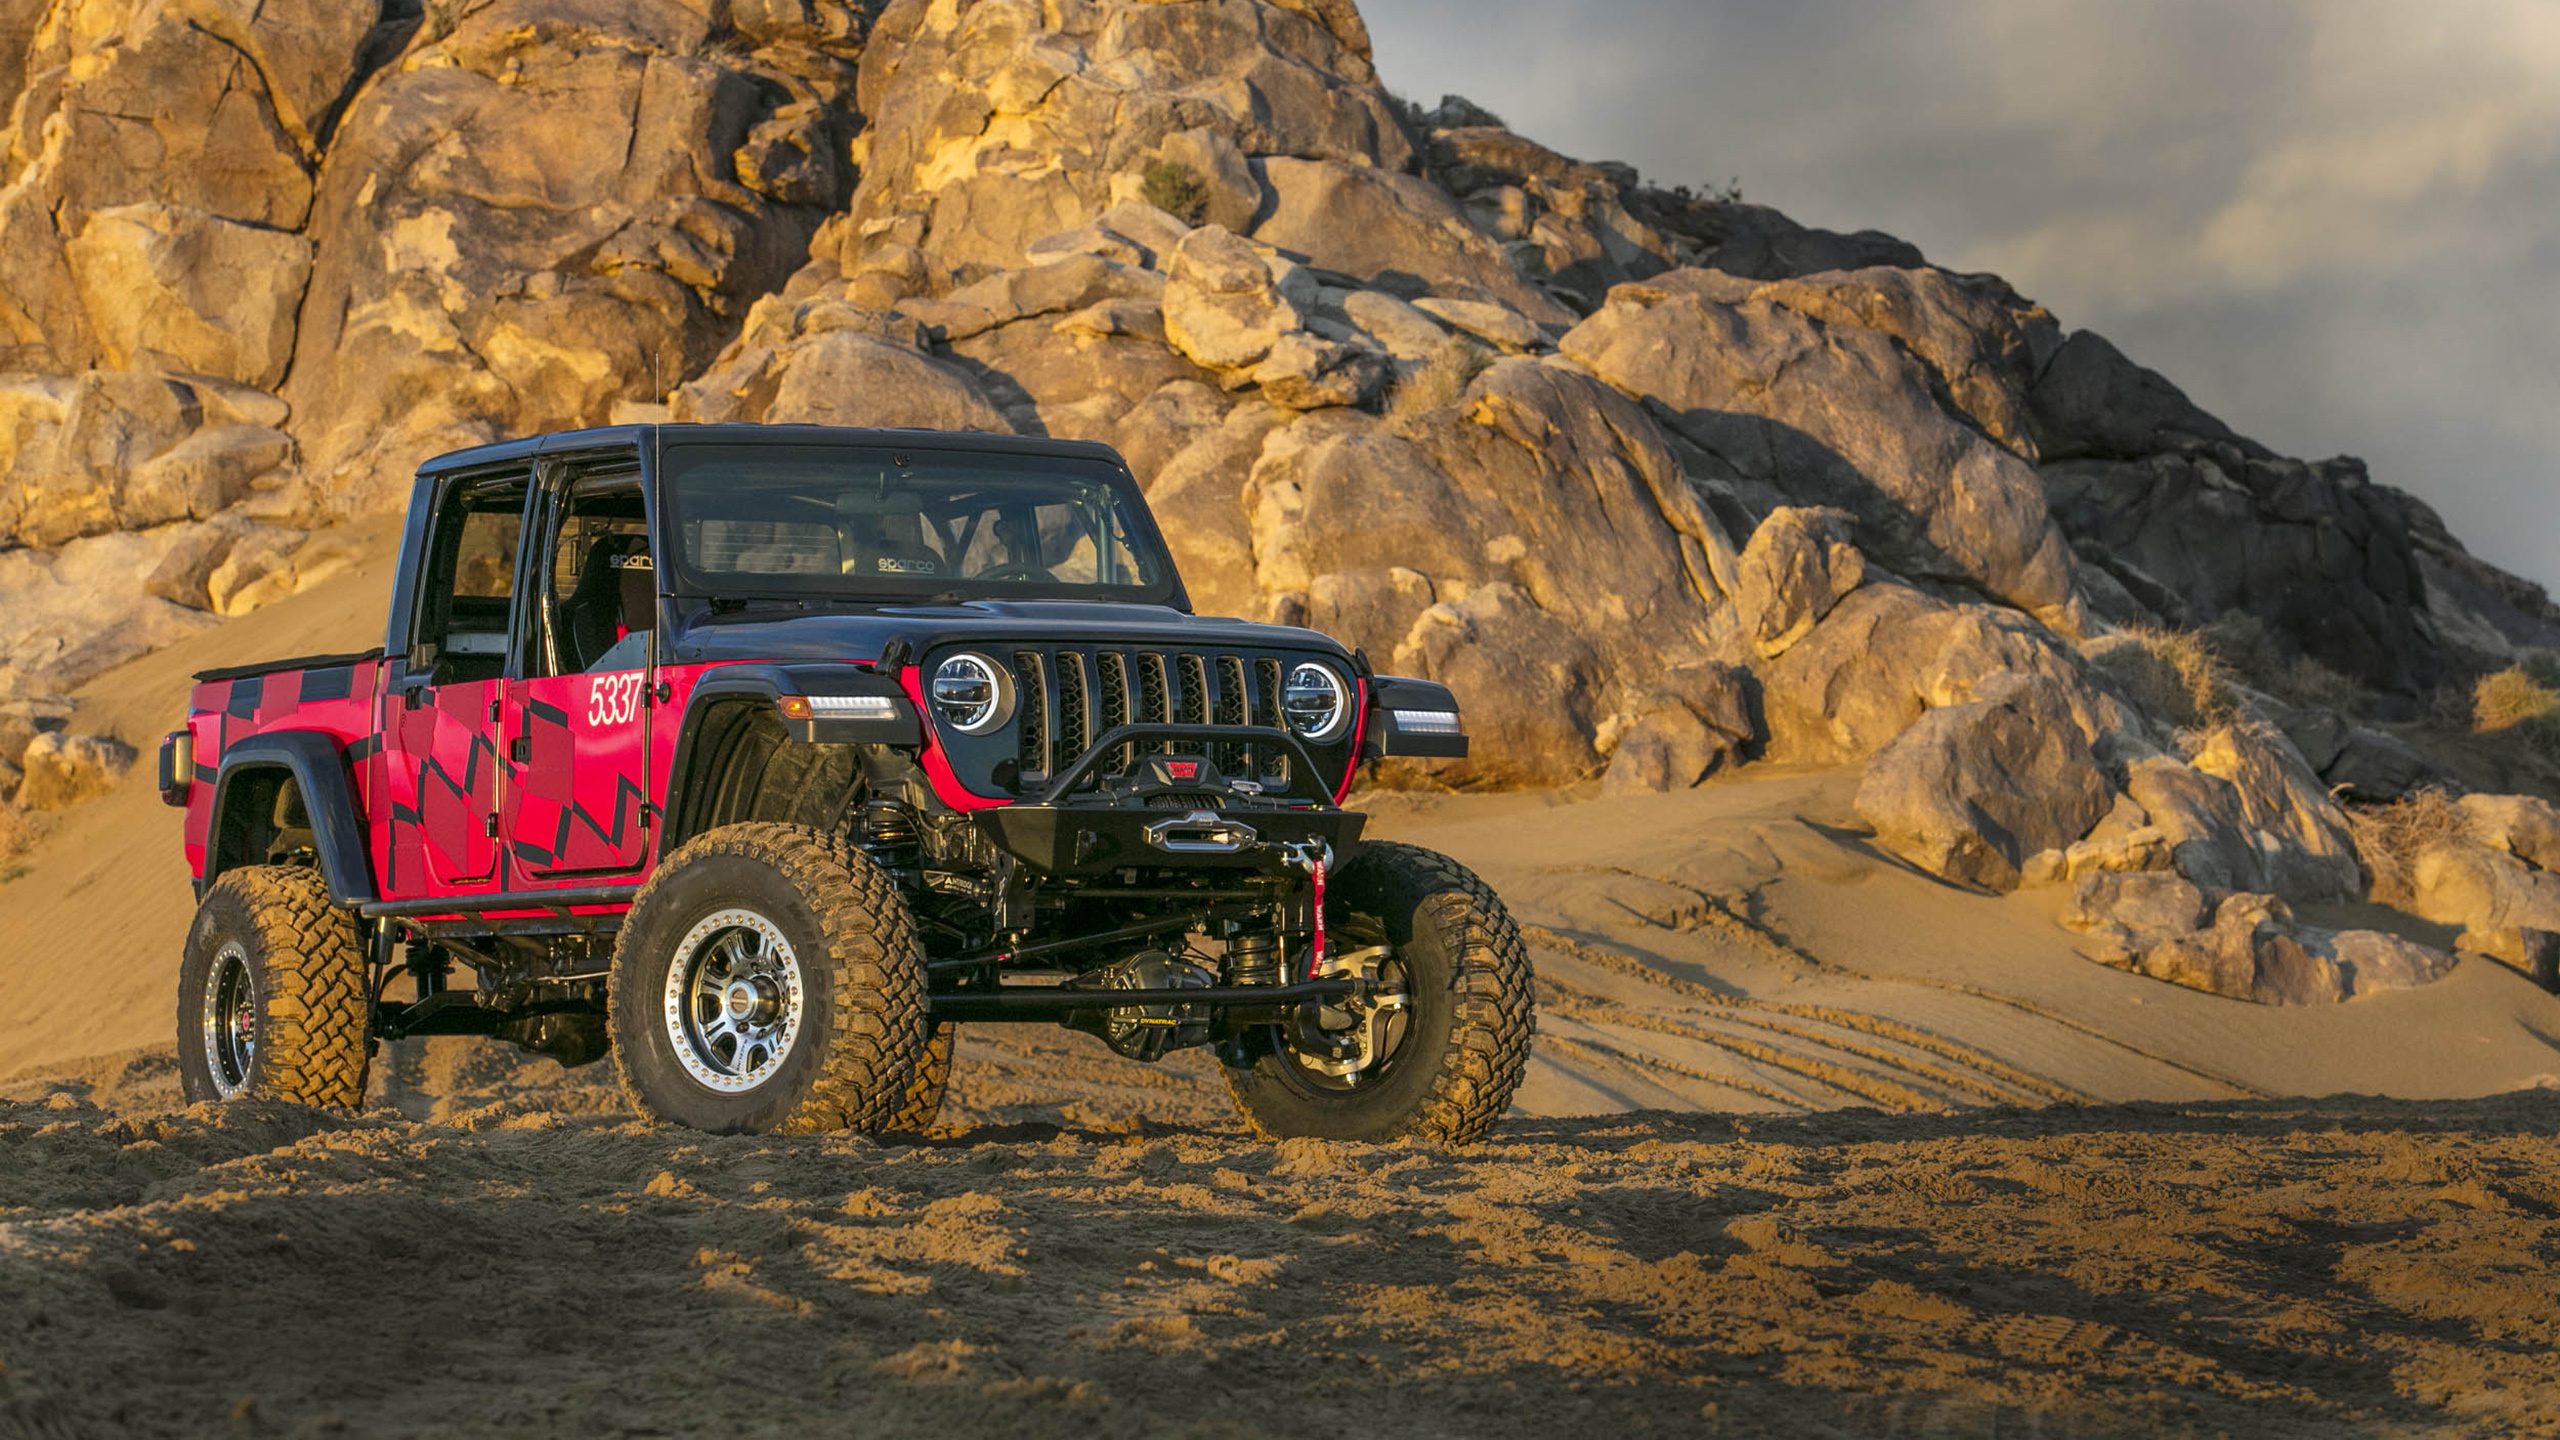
column 470, row 579
column 600, row 598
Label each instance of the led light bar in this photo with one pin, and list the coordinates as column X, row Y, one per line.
column 1429, row 722
column 853, row 707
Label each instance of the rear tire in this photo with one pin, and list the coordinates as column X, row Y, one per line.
column 271, row 992
column 1465, row 1044
column 768, row 980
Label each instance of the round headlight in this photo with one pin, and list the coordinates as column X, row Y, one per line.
column 1314, row 702
column 972, row 694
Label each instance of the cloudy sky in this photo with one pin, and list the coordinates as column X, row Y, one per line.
column 2335, row 223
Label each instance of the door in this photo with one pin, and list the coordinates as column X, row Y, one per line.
column 439, row 797
column 573, row 808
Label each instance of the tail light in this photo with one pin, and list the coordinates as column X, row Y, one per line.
column 177, row 766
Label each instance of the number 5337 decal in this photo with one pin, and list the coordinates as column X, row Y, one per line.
column 614, row 699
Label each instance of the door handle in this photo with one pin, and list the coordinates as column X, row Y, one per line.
column 520, row 750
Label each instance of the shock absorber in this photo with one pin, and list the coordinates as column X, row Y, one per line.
column 1253, row 958
column 888, row 835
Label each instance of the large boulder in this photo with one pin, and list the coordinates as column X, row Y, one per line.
column 201, row 107
column 1563, row 555
column 2525, row 826
column 1696, row 723
column 525, row 221
column 1887, row 653
column 181, row 290
column 1970, row 791
column 1393, row 231
column 2499, row 899
column 993, row 126
column 2305, row 848
column 1222, row 305
column 2247, row 813
column 72, row 612
column 117, row 450
column 1798, row 565
column 841, row 377
column 1841, row 414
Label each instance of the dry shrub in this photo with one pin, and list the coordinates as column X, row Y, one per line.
column 1443, row 378
column 2521, row 712
column 1172, row 187
column 2307, row 682
column 2174, row 673
column 2266, row 661
column 2509, row 698
column 2390, row 838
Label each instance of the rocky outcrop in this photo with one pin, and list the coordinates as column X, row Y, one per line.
column 1813, row 403
column 531, row 214
column 2246, row 947
column 1662, row 483
column 2317, row 551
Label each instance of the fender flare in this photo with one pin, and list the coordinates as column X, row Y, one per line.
column 765, row 684
column 1400, row 708
column 319, row 770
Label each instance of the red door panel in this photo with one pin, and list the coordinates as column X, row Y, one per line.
column 573, row 808
column 440, row 788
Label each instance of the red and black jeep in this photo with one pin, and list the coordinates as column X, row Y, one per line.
column 760, row 757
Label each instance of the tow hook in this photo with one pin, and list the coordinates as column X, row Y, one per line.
column 1314, row 857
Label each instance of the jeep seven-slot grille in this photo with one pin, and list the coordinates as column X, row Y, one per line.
column 1067, row 697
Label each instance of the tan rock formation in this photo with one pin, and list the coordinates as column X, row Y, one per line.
column 67, row 770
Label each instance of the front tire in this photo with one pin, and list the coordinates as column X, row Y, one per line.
column 271, row 992
column 1460, row 1052
column 768, row 980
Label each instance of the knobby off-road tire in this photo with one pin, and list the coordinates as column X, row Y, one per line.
column 860, row 995
column 923, row 1100
column 1466, row 1043
column 271, row 992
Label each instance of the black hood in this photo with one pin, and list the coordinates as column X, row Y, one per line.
column 770, row 630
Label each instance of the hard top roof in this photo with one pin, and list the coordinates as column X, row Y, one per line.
column 648, row 438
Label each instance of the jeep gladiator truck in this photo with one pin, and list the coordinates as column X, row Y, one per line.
column 759, row 757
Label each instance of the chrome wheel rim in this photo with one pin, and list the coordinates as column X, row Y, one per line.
column 230, row 1025
column 734, row 1001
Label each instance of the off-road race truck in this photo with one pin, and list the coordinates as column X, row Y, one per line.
column 759, row 757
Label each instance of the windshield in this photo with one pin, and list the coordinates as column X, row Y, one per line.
column 885, row 523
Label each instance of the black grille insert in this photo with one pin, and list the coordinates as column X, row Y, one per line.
column 1070, row 696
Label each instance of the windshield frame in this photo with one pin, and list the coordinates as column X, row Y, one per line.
column 680, row 578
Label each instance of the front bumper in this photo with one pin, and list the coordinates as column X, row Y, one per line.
column 1094, row 839
column 1173, row 808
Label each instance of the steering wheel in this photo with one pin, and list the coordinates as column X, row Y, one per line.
column 1019, row 570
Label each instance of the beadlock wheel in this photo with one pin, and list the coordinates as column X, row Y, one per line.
column 230, row 1023
column 767, row 979
column 734, row 1000
column 271, row 992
